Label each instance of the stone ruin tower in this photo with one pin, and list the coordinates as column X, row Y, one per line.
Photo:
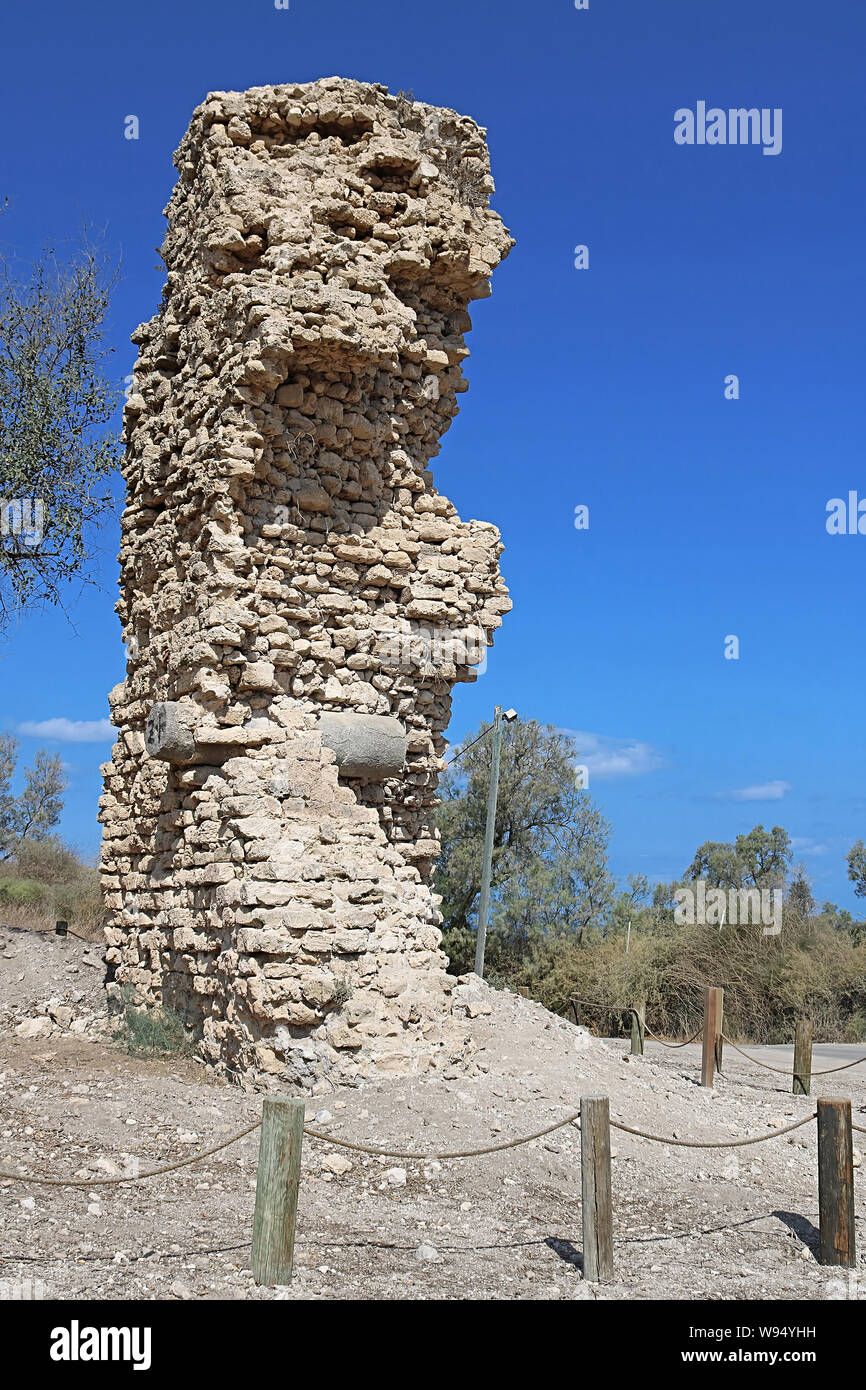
column 297, row 598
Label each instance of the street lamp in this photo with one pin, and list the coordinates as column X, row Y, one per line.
column 487, row 854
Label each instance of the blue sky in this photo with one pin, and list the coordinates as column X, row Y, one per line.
column 602, row 387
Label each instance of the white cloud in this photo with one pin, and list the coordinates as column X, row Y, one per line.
column 764, row 791
column 69, row 730
column 606, row 756
column 802, row 844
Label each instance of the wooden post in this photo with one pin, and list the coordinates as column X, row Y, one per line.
column 277, row 1181
column 711, row 1054
column 638, row 1023
column 596, row 1192
column 836, row 1183
column 802, row 1057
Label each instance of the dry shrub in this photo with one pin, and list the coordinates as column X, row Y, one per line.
column 25, row 918
column 48, row 882
column 813, row 970
column 48, row 861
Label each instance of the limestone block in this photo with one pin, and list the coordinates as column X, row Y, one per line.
column 367, row 746
column 168, row 733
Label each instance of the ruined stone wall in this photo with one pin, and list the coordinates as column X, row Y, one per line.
column 285, row 554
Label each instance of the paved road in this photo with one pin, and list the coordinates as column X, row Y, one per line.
column 774, row 1054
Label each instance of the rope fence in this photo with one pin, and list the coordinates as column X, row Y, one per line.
column 408, row 1155
column 801, row 1071
column 672, row 1046
column 464, row 1153
column 574, row 1002
column 129, row 1177
column 713, row 1143
column 783, row 1071
column 282, row 1129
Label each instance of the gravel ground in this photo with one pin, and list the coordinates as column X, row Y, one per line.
column 689, row 1224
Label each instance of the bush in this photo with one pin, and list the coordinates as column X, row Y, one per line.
column 155, row 1032
column 80, row 903
column 54, row 881
column 24, row 892
column 458, row 943
column 49, row 861
column 815, row 969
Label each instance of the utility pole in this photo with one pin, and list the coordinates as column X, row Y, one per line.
column 487, row 858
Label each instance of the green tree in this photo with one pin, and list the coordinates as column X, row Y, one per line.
column 800, row 893
column 35, row 812
column 630, row 904
column 759, row 859
column 857, row 867
column 549, row 876
column 765, row 856
column 54, row 399
column 717, row 863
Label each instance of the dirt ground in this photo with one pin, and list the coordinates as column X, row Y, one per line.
column 688, row 1224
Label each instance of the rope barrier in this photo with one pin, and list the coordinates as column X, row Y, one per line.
column 628, row 1009
column 505, row 1145
column 606, row 1008
column 655, row 1036
column 714, row 1144
column 467, row 1153
column 132, row 1177
column 311, row 1134
column 784, row 1072
column 757, row 1061
column 828, row 1070
column 415, row 1156
column 282, row 1124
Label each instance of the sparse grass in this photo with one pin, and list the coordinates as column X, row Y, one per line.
column 26, row 918
column 154, row 1032
column 467, row 179
column 405, row 102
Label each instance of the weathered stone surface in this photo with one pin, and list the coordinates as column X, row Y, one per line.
column 167, row 734
column 369, row 746
column 286, row 560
